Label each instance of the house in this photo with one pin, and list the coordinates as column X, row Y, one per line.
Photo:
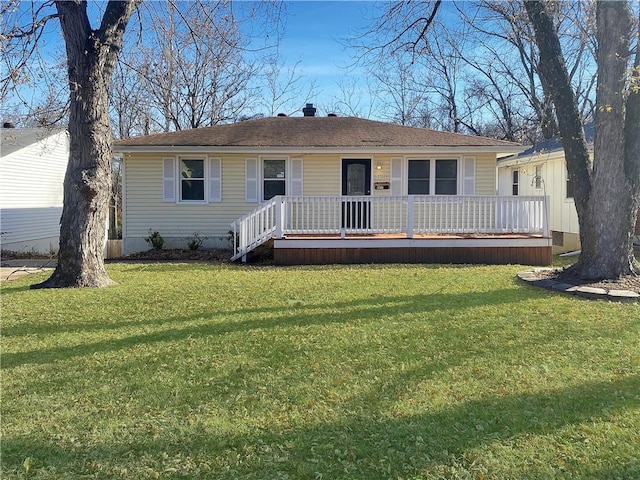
column 542, row 170
column 33, row 162
column 329, row 190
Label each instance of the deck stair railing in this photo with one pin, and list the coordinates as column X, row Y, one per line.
column 409, row 215
column 254, row 229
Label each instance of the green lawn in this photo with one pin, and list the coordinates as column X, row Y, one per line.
column 351, row 372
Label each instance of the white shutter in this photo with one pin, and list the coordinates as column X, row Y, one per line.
column 251, row 180
column 295, row 188
column 215, row 180
column 396, row 176
column 469, row 176
column 169, row 180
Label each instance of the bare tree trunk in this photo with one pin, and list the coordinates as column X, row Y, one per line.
column 613, row 202
column 91, row 56
column 607, row 193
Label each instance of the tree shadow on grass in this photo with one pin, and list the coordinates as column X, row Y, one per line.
column 371, row 445
column 261, row 318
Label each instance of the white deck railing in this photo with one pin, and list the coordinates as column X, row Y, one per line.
column 409, row 215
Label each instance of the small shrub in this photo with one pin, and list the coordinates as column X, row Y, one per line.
column 196, row 241
column 155, row 240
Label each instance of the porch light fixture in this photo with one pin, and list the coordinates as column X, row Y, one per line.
column 378, row 166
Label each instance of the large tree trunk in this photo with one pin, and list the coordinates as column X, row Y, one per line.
column 607, row 244
column 607, row 192
column 91, row 55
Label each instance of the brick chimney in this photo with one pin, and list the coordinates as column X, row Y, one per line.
column 309, row 110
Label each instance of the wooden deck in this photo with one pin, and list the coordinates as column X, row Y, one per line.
column 397, row 248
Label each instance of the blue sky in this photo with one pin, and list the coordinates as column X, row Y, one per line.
column 315, row 36
column 316, row 31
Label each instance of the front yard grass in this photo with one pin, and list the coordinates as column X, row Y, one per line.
column 339, row 372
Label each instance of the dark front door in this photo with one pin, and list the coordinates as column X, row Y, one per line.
column 356, row 181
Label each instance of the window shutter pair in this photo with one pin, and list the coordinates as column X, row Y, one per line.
column 252, row 175
column 468, row 176
column 170, row 180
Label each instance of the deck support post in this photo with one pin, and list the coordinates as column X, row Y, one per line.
column 547, row 213
column 279, row 208
column 410, row 202
column 234, row 227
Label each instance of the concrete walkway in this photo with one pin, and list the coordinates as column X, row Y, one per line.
column 12, row 269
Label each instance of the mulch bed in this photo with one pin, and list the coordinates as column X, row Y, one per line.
column 628, row 282
column 179, row 255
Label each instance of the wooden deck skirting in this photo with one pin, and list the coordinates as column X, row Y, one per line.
column 482, row 249
column 113, row 249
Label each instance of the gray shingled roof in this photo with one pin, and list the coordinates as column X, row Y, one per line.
column 14, row 139
column 312, row 132
column 555, row 144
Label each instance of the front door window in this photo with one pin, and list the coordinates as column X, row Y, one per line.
column 356, row 177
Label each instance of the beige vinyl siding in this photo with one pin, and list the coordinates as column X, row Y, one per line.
column 382, row 175
column 485, row 174
column 321, row 174
column 145, row 208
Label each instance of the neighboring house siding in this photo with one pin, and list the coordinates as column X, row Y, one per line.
column 31, row 195
column 563, row 218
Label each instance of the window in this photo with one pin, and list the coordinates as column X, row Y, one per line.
column 191, row 180
column 419, row 175
column 537, row 179
column 274, row 178
column 515, row 184
column 439, row 176
column 570, row 187
column 446, row 177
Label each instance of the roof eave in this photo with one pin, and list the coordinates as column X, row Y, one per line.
column 400, row 150
column 536, row 157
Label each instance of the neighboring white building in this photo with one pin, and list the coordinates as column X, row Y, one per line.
column 542, row 170
column 33, row 162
